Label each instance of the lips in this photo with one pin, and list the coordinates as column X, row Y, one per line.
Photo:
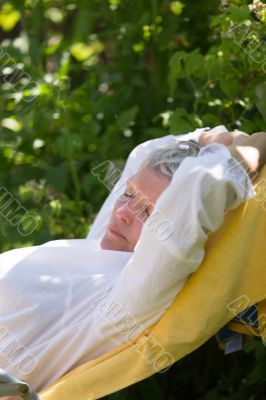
column 116, row 233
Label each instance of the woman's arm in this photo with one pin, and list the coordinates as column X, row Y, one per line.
column 201, row 190
column 250, row 151
column 136, row 157
column 226, row 138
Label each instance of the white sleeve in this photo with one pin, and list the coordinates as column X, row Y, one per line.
column 202, row 189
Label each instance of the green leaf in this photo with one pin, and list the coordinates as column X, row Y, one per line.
column 179, row 122
column 217, row 20
column 127, row 117
column 83, row 52
column 210, row 119
column 230, row 87
column 239, row 14
column 154, row 132
column 67, row 146
column 9, row 17
column 177, row 7
column 57, row 176
column 248, row 126
column 194, row 62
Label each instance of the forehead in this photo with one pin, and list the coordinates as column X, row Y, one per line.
column 148, row 183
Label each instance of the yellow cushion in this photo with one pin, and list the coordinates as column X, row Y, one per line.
column 232, row 277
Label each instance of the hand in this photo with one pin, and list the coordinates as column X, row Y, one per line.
column 250, row 151
column 225, row 138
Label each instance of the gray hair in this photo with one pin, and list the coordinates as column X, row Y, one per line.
column 165, row 160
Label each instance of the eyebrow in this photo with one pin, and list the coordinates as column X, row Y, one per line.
column 146, row 199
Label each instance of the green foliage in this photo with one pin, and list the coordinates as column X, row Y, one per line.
column 84, row 82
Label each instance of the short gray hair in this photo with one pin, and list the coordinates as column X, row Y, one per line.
column 165, row 160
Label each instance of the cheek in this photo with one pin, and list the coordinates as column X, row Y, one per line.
column 136, row 231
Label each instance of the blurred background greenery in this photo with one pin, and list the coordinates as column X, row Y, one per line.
column 85, row 81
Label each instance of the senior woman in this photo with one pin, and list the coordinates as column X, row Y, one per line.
column 67, row 302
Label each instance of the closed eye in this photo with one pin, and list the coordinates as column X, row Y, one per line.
column 129, row 195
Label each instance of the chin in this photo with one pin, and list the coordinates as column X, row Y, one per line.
column 108, row 244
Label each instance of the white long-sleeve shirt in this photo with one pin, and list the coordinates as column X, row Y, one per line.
column 66, row 302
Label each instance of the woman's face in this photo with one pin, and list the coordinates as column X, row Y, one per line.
column 132, row 209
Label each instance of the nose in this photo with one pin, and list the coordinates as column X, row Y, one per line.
column 124, row 214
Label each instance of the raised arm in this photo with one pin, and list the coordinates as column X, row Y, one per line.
column 201, row 190
column 250, row 151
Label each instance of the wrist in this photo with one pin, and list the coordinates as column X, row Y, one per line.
column 248, row 157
